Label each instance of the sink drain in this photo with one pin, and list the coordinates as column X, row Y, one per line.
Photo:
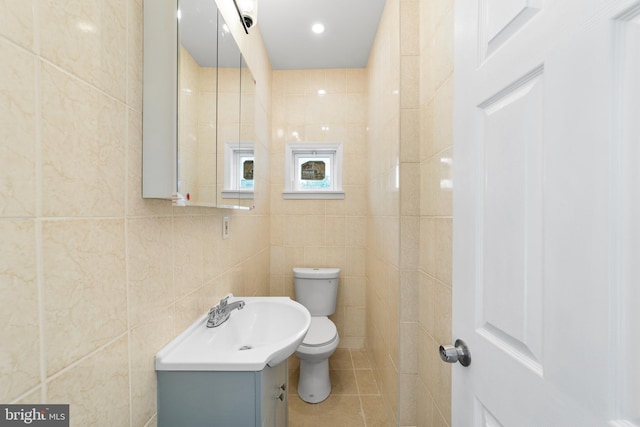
column 245, row 347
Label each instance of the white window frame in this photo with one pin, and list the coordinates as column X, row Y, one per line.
column 232, row 172
column 309, row 149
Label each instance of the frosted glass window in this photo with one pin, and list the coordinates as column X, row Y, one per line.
column 245, row 171
column 313, row 170
column 314, row 173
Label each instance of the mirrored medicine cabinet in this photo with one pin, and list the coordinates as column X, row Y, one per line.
column 198, row 108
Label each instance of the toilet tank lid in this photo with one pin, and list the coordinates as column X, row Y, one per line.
column 316, row 273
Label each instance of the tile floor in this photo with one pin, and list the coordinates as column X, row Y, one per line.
column 355, row 400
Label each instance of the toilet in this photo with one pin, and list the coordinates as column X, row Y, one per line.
column 317, row 290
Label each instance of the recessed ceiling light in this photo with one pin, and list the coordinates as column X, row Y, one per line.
column 318, row 28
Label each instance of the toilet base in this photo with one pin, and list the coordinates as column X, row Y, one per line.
column 314, row 384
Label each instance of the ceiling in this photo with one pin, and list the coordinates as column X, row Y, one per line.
column 350, row 27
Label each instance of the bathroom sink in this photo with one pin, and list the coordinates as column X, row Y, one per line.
column 265, row 332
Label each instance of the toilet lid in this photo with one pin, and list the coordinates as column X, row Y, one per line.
column 321, row 331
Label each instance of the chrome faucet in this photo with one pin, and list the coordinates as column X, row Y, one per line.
column 221, row 312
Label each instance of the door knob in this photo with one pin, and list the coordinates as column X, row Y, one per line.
column 456, row 353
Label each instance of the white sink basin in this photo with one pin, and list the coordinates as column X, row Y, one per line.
column 265, row 332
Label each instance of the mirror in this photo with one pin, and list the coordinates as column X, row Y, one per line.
column 235, row 127
column 198, row 99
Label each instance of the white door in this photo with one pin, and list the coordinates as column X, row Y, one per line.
column 546, row 286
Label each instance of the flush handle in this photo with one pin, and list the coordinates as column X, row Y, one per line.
column 456, row 353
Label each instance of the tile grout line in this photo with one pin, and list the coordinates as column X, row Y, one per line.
column 127, row 267
column 362, row 412
column 38, row 208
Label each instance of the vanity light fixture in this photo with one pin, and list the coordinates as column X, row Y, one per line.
column 318, row 28
column 248, row 13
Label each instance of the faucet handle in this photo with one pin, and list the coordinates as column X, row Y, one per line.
column 225, row 300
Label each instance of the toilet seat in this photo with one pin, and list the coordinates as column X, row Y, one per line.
column 321, row 332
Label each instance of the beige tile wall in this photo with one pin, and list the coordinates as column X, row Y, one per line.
column 436, row 155
column 410, row 211
column 383, row 222
column 94, row 279
column 322, row 233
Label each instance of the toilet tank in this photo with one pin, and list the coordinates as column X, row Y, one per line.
column 317, row 289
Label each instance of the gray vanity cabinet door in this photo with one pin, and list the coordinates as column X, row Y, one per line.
column 274, row 396
column 207, row 399
column 223, row 399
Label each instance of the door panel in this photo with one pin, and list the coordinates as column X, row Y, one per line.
column 509, row 246
column 501, row 19
column 627, row 107
column 546, row 205
column 576, row 215
column 484, row 418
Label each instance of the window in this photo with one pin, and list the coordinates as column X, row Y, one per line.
column 238, row 170
column 244, row 175
column 313, row 170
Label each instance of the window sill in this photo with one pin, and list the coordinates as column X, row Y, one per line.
column 237, row 194
column 313, row 195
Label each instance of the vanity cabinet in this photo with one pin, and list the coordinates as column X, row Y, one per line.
column 223, row 398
